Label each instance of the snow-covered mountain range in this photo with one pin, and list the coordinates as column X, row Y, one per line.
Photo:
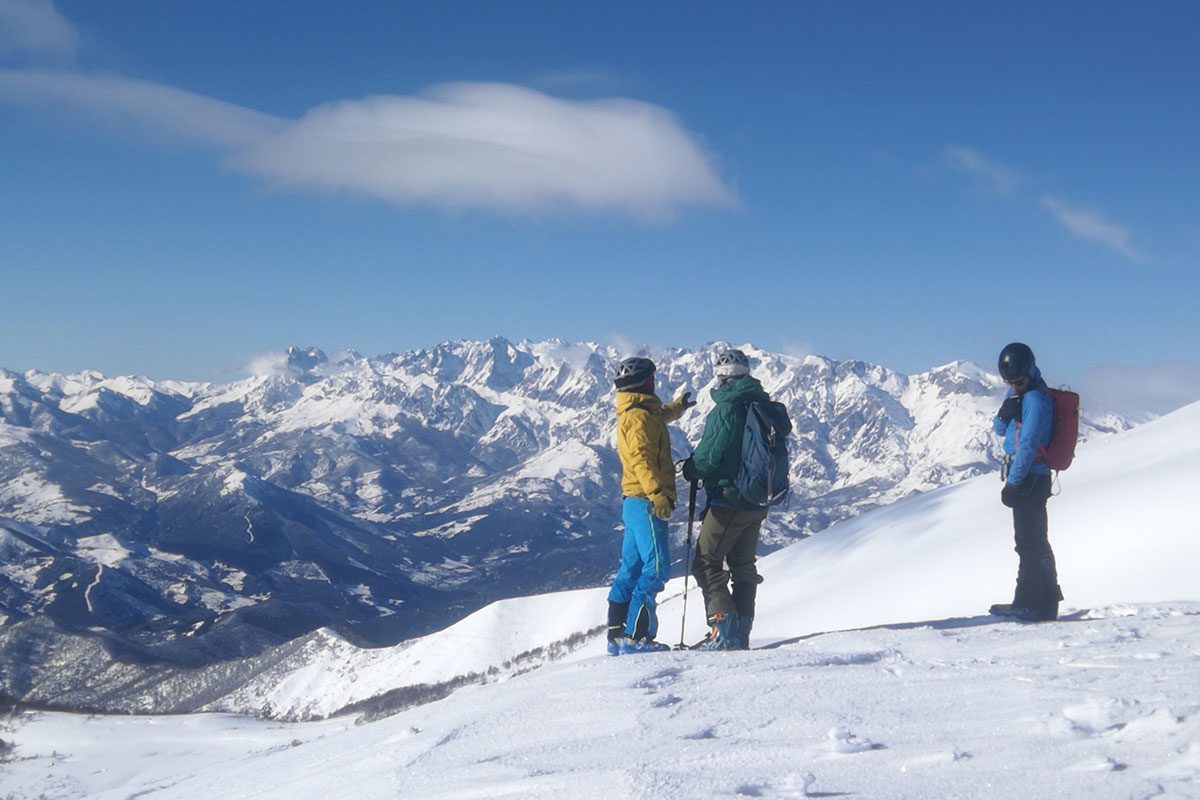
column 875, row 674
column 158, row 525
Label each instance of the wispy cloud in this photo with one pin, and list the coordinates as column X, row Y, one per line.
column 144, row 106
column 593, row 80
column 1141, row 390
column 987, row 173
column 799, row 350
column 625, row 345
column 486, row 145
column 995, row 177
column 267, row 365
column 1092, row 226
column 33, row 29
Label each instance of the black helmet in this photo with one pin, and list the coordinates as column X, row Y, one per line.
column 1016, row 360
column 732, row 364
column 634, row 372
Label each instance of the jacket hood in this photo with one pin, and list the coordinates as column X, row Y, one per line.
column 1035, row 382
column 742, row 390
column 1035, row 379
column 628, row 400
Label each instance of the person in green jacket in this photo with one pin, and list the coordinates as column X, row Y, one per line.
column 730, row 531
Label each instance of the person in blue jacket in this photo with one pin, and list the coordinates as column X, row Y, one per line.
column 1026, row 420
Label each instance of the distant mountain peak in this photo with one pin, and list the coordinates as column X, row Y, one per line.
column 305, row 359
column 334, row 492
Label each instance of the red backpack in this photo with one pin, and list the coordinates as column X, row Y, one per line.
column 1064, row 431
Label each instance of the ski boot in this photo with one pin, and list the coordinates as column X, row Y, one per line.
column 1036, row 614
column 744, row 625
column 616, row 626
column 722, row 634
column 627, row 645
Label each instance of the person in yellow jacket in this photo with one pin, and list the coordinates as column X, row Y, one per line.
column 648, row 489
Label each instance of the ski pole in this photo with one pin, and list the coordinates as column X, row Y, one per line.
column 687, row 562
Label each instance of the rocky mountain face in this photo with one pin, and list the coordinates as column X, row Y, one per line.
column 169, row 525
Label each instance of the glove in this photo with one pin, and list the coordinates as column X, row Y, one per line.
column 1012, row 494
column 661, row 505
column 1009, row 409
column 686, row 400
column 689, row 471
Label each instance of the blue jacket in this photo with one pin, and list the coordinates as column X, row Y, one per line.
column 1036, row 423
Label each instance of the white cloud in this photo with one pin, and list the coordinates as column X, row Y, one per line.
column 594, row 80
column 799, row 350
column 992, row 176
column 34, row 29
column 148, row 107
column 1092, row 226
column 483, row 145
column 625, row 346
column 1138, row 391
column 267, row 365
column 988, row 174
column 499, row 146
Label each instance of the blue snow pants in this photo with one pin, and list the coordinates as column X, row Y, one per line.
column 644, row 568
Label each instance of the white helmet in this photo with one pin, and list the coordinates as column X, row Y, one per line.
column 731, row 364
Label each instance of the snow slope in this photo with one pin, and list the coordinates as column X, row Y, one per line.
column 928, row 698
column 1089, row 709
column 1124, row 528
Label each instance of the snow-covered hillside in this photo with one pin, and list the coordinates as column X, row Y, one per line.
column 183, row 525
column 1123, row 527
column 929, row 697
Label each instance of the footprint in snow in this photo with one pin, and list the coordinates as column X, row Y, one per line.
column 1156, row 723
column 1097, row 764
column 660, row 679
column 1094, row 717
column 667, row 700
column 936, row 760
column 842, row 741
column 796, row 785
column 707, row 733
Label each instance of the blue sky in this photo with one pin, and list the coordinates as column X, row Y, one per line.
column 185, row 186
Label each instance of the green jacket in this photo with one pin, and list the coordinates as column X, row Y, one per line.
column 719, row 453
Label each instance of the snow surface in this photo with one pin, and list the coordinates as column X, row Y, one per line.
column 1101, row 706
column 31, row 498
column 915, row 693
column 103, row 548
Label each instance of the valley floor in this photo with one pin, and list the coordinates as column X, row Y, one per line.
column 1100, row 705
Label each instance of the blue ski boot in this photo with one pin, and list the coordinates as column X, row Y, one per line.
column 616, row 626
column 630, row 645
column 722, row 633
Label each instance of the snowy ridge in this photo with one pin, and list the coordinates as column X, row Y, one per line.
column 387, row 497
column 336, row 675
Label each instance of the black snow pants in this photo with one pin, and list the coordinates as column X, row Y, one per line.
column 1037, row 575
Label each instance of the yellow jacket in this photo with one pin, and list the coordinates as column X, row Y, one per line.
column 644, row 445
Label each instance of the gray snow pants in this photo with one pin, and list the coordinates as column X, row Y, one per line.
column 728, row 535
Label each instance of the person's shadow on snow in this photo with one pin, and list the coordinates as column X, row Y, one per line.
column 936, row 624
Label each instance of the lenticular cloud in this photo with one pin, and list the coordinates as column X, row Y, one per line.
column 498, row 146
column 484, row 145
